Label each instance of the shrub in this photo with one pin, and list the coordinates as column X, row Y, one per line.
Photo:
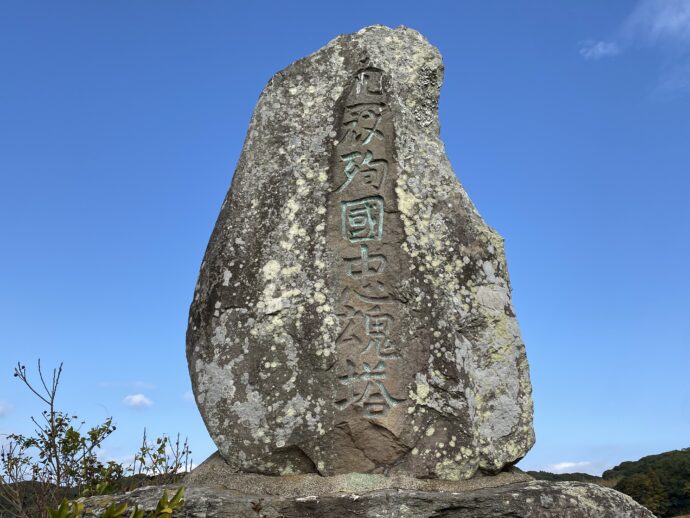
column 59, row 461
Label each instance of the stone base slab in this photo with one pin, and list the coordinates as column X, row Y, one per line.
column 213, row 490
column 535, row 499
column 214, row 472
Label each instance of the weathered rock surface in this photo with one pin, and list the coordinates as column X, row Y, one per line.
column 215, row 472
column 353, row 310
column 535, row 499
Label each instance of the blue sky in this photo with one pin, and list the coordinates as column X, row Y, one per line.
column 567, row 122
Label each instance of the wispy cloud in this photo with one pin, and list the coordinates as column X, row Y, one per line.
column 658, row 22
column 188, row 396
column 591, row 49
column 565, row 467
column 663, row 25
column 5, row 408
column 137, row 401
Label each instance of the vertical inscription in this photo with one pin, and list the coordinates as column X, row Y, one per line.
column 361, row 211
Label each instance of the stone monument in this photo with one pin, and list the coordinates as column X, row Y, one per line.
column 352, row 343
column 353, row 310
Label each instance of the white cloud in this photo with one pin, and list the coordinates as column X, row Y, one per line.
column 663, row 25
column 138, row 401
column 659, row 21
column 188, row 396
column 566, row 467
column 4, row 408
column 599, row 49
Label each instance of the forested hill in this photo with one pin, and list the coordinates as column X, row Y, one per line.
column 659, row 482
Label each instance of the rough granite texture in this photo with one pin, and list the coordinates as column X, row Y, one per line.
column 536, row 499
column 215, row 472
column 353, row 310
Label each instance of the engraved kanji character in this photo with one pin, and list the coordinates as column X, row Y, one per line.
column 373, row 172
column 361, row 123
column 369, row 82
column 365, row 265
column 374, row 397
column 362, row 220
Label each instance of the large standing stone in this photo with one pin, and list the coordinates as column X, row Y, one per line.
column 353, row 310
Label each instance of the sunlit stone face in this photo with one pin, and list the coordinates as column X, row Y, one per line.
column 353, row 310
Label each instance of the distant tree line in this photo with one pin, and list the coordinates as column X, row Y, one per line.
column 659, row 482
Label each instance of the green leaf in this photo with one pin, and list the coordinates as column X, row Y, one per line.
column 115, row 510
column 60, row 512
column 178, row 500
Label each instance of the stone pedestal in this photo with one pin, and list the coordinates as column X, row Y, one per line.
column 214, row 490
column 505, row 495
